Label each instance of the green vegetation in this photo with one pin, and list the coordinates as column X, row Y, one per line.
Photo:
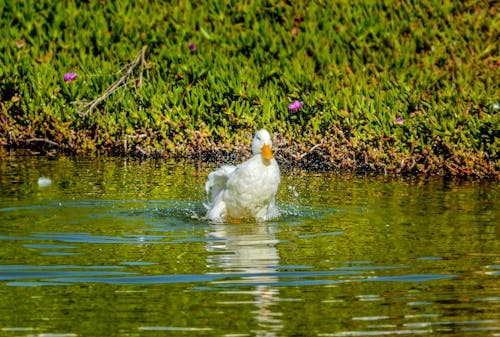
column 391, row 87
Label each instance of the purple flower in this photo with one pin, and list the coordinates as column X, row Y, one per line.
column 70, row 77
column 20, row 44
column 399, row 120
column 192, row 46
column 296, row 105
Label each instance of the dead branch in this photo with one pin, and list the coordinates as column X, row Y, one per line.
column 43, row 140
column 85, row 109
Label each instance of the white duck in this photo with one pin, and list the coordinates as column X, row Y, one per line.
column 247, row 190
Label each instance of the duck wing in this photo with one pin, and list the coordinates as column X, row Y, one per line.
column 216, row 182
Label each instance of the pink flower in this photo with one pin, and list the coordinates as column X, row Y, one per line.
column 20, row 44
column 399, row 120
column 192, row 46
column 296, row 105
column 70, row 77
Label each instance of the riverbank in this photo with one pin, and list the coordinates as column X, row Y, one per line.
column 393, row 88
column 324, row 156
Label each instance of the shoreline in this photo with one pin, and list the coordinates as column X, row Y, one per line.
column 320, row 158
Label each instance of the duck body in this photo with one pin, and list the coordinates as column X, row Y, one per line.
column 247, row 190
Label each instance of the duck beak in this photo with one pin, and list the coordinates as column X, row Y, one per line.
column 266, row 152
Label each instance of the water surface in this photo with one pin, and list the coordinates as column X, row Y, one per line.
column 114, row 247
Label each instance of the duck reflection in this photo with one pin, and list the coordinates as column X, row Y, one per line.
column 249, row 252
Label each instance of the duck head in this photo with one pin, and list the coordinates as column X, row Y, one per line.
column 262, row 144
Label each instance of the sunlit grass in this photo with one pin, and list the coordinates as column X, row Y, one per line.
column 395, row 87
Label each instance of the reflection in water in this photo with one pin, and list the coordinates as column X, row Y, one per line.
column 249, row 250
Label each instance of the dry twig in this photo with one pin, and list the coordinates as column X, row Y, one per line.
column 43, row 140
column 85, row 109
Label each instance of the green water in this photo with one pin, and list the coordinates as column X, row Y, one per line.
column 119, row 248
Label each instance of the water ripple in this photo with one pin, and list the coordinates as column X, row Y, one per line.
column 99, row 274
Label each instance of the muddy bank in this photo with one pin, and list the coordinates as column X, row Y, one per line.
column 326, row 156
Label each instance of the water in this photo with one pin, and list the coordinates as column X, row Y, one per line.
column 109, row 247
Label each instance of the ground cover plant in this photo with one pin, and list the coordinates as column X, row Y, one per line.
column 395, row 87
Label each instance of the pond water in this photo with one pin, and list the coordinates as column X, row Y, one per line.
column 115, row 247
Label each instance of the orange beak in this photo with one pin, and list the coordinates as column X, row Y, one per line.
column 266, row 152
